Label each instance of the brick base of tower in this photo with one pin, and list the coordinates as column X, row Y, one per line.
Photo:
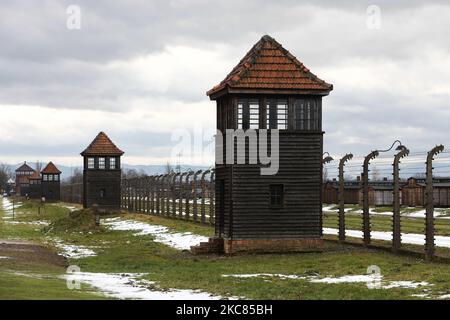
column 228, row 246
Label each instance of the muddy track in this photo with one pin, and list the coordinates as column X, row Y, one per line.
column 30, row 252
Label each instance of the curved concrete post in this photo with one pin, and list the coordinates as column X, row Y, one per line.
column 180, row 200
column 212, row 194
column 174, row 194
column 203, row 186
column 342, row 162
column 188, row 195
column 429, row 210
column 396, row 219
column 195, row 205
column 365, row 180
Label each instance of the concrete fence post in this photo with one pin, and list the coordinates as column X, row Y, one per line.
column 365, row 181
column 342, row 162
column 429, row 215
column 396, row 218
column 188, row 195
column 202, row 205
column 180, row 200
column 212, row 194
column 174, row 194
column 195, row 205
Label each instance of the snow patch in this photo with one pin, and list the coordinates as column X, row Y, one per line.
column 129, row 286
column 73, row 251
column 162, row 234
column 373, row 281
column 411, row 238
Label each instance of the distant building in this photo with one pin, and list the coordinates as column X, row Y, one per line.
column 51, row 182
column 22, row 181
column 102, row 174
column 10, row 186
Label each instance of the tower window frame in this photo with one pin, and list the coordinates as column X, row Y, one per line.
column 276, row 195
column 91, row 163
column 112, row 163
column 247, row 113
column 101, row 163
column 277, row 113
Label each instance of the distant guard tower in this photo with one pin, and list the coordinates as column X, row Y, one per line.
column 51, row 182
column 23, row 173
column 271, row 89
column 102, row 174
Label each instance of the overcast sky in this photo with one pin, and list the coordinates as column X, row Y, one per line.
column 139, row 70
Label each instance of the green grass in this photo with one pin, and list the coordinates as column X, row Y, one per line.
column 384, row 223
column 121, row 251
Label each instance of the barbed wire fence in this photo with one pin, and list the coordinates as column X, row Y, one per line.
column 184, row 195
column 430, row 167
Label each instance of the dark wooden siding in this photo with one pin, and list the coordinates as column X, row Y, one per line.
column 97, row 180
column 300, row 173
column 51, row 190
column 35, row 190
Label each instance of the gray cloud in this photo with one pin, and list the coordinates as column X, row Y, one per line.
column 43, row 63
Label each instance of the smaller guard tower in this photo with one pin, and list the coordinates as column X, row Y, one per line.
column 102, row 174
column 51, row 182
column 23, row 173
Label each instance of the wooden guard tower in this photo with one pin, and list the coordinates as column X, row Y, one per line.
column 51, row 182
column 271, row 89
column 102, row 174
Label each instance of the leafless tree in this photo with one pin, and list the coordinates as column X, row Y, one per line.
column 375, row 174
column 5, row 174
column 169, row 168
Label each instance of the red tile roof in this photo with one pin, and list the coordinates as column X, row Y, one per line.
column 102, row 146
column 50, row 168
column 269, row 66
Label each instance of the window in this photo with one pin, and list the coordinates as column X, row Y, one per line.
column 101, row 163
column 307, row 114
column 276, row 195
column 102, row 193
column 253, row 114
column 277, row 114
column 56, row 177
column 112, row 163
column 50, row 177
column 91, row 163
column 248, row 114
column 45, row 177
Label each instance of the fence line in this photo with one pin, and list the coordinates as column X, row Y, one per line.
column 72, row 192
column 191, row 196
column 188, row 195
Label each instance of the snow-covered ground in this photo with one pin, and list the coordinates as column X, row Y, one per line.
column 130, row 286
column 162, row 234
column 411, row 238
column 8, row 206
column 35, row 223
column 72, row 251
column 373, row 281
column 416, row 213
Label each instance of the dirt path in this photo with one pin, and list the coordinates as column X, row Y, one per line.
column 25, row 251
